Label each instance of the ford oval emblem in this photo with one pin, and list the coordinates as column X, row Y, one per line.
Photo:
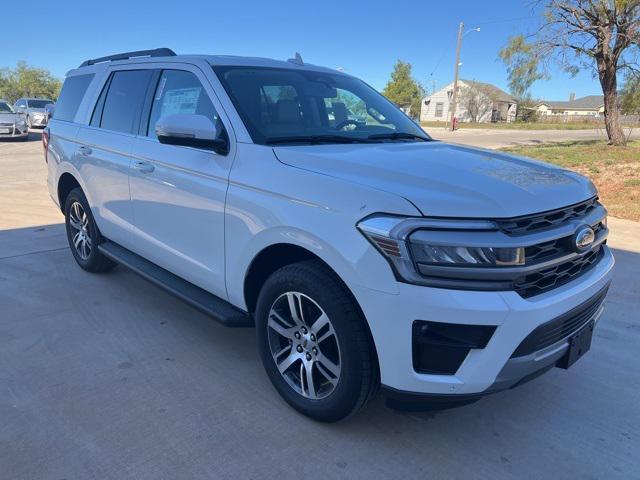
column 584, row 237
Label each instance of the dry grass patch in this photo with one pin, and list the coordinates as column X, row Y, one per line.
column 614, row 170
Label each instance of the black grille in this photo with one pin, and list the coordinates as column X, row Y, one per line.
column 4, row 124
column 561, row 327
column 541, row 221
column 553, row 248
column 544, row 251
column 543, row 280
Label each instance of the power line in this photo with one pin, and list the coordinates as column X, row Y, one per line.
column 506, row 20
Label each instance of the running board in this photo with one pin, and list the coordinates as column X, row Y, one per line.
column 207, row 303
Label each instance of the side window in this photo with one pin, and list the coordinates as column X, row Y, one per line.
column 439, row 109
column 123, row 103
column 71, row 96
column 179, row 91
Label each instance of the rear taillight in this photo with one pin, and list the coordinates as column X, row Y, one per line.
column 45, row 143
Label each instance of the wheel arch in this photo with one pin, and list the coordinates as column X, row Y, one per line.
column 276, row 256
column 66, row 183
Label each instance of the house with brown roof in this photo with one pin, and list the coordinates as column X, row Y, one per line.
column 477, row 102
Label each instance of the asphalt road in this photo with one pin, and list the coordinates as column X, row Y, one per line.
column 107, row 377
column 495, row 138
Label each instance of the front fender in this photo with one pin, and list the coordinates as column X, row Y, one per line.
column 271, row 203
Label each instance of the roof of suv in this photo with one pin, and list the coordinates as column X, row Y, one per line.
column 214, row 60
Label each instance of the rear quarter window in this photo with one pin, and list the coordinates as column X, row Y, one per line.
column 71, row 96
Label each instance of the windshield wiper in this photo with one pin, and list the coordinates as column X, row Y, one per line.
column 398, row 136
column 313, row 139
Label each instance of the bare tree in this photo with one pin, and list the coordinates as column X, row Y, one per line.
column 476, row 99
column 600, row 34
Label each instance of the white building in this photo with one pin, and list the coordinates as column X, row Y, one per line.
column 477, row 101
column 591, row 105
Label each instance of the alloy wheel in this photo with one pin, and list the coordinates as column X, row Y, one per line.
column 304, row 345
column 79, row 223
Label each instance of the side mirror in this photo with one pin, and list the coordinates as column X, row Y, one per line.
column 49, row 109
column 191, row 130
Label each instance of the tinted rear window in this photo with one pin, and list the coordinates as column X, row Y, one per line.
column 71, row 96
column 123, row 104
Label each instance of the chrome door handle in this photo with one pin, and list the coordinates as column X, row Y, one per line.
column 143, row 167
column 84, row 150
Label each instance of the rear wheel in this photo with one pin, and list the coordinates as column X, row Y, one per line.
column 313, row 342
column 83, row 234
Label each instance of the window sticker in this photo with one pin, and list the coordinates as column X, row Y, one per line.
column 181, row 100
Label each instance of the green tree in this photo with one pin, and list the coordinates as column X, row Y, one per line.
column 26, row 81
column 522, row 61
column 602, row 35
column 403, row 90
column 630, row 95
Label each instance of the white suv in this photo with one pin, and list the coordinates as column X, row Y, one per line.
column 366, row 254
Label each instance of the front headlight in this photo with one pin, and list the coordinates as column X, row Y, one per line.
column 21, row 124
column 476, row 256
column 414, row 246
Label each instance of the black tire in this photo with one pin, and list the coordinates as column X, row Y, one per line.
column 358, row 378
column 93, row 261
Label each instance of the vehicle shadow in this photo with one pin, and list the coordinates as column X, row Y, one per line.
column 114, row 357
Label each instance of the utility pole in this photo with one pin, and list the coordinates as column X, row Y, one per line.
column 454, row 99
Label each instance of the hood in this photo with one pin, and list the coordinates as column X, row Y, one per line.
column 8, row 117
column 36, row 110
column 445, row 180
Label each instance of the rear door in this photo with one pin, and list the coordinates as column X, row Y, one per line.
column 177, row 192
column 63, row 128
column 104, row 150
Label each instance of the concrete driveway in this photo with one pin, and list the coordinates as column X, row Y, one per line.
column 107, row 377
column 495, row 138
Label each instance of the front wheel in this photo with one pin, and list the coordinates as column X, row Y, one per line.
column 314, row 343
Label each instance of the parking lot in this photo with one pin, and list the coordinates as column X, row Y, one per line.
column 105, row 376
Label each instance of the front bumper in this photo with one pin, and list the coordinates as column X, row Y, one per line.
column 38, row 121
column 14, row 132
column 485, row 370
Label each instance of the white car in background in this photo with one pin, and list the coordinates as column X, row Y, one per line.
column 12, row 123
column 365, row 253
column 34, row 110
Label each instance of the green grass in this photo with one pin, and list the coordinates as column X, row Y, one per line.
column 520, row 125
column 614, row 170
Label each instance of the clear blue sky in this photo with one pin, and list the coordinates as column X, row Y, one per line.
column 364, row 37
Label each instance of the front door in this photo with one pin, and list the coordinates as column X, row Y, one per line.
column 178, row 193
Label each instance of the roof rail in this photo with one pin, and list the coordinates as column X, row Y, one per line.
column 157, row 52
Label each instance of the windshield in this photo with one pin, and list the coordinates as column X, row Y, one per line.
column 280, row 105
column 5, row 108
column 38, row 103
